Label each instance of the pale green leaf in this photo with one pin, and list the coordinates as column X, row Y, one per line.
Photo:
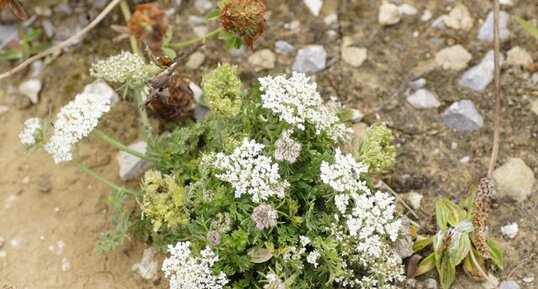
column 495, row 253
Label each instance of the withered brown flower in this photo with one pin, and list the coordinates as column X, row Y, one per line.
column 16, row 8
column 244, row 18
column 149, row 24
column 482, row 202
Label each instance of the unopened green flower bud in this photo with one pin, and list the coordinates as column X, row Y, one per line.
column 222, row 90
column 377, row 149
column 164, row 200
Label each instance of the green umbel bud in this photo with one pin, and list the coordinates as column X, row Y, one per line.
column 377, row 149
column 222, row 90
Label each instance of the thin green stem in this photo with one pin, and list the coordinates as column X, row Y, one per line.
column 477, row 265
column 144, row 120
column 127, row 16
column 195, row 40
column 103, row 180
column 119, row 145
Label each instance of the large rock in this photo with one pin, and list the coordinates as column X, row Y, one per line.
column 423, row 99
column 486, row 31
column 462, row 115
column 131, row 166
column 514, row 179
column 311, row 58
column 453, row 58
column 478, row 77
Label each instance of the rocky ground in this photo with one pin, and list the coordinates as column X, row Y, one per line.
column 424, row 67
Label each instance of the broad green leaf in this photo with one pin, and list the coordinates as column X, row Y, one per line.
column 441, row 215
column 447, row 272
column 213, row 15
column 426, row 265
column 421, row 244
column 437, row 239
column 473, row 264
column 527, row 26
column 169, row 52
column 495, row 253
column 459, row 248
column 260, row 255
column 455, row 215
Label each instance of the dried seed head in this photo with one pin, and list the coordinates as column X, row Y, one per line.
column 482, row 202
column 243, row 18
column 149, row 24
column 174, row 100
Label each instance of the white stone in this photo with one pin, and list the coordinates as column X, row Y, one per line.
column 389, row 14
column 423, row 99
column 514, row 179
column 131, row 166
column 426, row 15
column 101, row 88
column 465, row 159
column 203, row 5
column 459, row 18
column 453, row 58
column 534, row 106
column 518, row 56
column 486, row 31
column 510, row 230
column 510, row 284
column 263, row 59
column 462, row 115
column 414, row 199
column 478, row 77
column 311, row 58
column 196, row 91
column 3, row 109
column 417, row 83
column 31, row 89
column 148, row 267
column 356, row 115
column 314, row 6
column 284, row 47
column 331, row 19
column 406, row 9
column 354, row 56
column 195, row 60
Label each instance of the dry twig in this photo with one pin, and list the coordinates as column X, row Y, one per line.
column 496, row 89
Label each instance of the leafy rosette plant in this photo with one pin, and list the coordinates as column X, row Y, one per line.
column 460, row 240
column 260, row 194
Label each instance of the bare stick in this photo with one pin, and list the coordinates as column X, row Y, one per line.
column 65, row 43
column 496, row 88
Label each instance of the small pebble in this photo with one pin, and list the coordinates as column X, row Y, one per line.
column 44, row 183
column 423, row 99
column 195, row 60
column 356, row 115
column 518, row 56
column 486, row 31
column 510, row 230
column 453, row 58
column 311, row 58
column 389, row 14
column 31, row 89
column 509, row 285
column 462, row 115
column 331, row 19
column 430, row 283
column 478, row 77
column 417, row 83
column 102, row 88
column 414, row 199
column 514, row 179
column 66, row 266
column 406, row 9
column 426, row 16
column 262, row 59
column 314, row 6
column 528, row 279
column 10, row 200
column 284, row 47
column 131, row 166
column 354, row 56
column 454, row 145
column 148, row 267
column 459, row 18
column 17, row 243
column 203, row 5
column 465, row 159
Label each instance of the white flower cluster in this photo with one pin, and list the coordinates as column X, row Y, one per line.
column 32, row 126
column 122, row 68
column 297, row 253
column 344, row 175
column 251, row 173
column 296, row 101
column 274, row 282
column 187, row 272
column 286, row 148
column 313, row 257
column 74, row 122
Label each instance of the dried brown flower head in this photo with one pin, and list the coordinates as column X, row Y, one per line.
column 16, row 8
column 243, row 18
column 482, row 203
column 149, row 24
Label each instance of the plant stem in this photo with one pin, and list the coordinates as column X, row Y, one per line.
column 477, row 265
column 119, row 145
column 127, row 16
column 144, row 120
column 195, row 40
column 102, row 179
column 496, row 89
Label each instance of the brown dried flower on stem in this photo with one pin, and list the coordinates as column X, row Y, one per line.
column 243, row 18
column 148, row 24
column 482, row 202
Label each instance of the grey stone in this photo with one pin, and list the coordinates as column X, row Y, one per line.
column 200, row 112
column 486, row 31
column 462, row 115
column 131, row 166
column 284, row 47
column 263, row 59
column 101, row 88
column 44, row 183
column 203, row 5
column 514, row 179
column 31, row 89
column 48, row 27
column 195, row 60
column 423, row 99
column 418, row 83
column 148, row 266
column 196, row 91
column 509, row 285
column 311, row 58
column 510, row 230
column 404, row 247
column 478, row 77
